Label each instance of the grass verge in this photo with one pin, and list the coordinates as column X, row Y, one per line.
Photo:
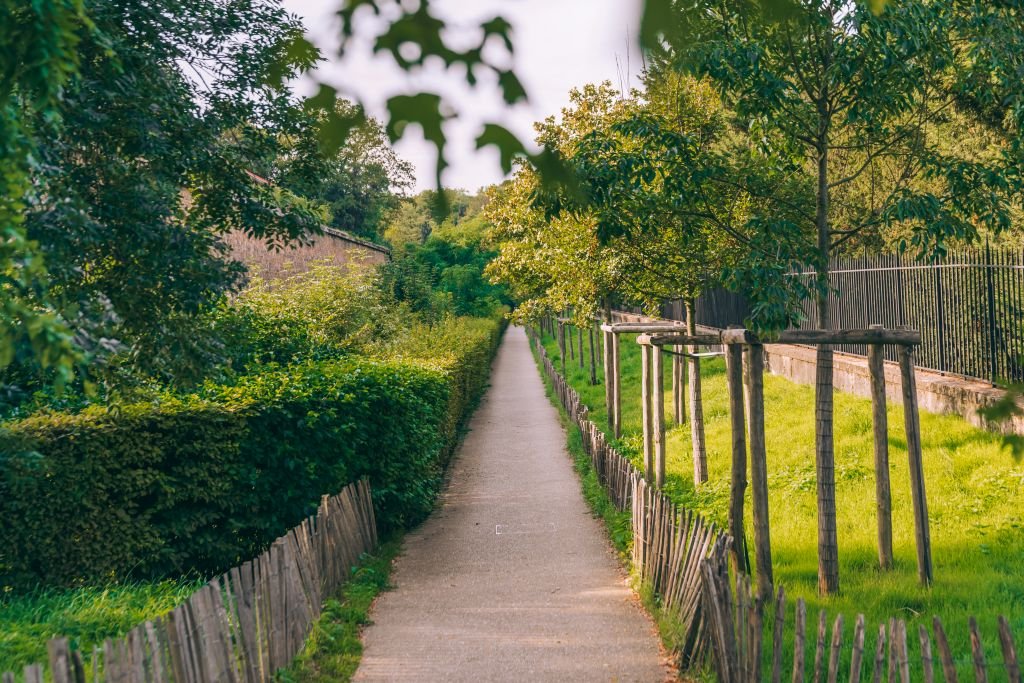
column 975, row 497
column 333, row 648
column 87, row 616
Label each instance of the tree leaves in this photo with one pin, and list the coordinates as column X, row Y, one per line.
column 509, row 146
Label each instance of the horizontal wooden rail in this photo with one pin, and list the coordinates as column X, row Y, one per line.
column 739, row 336
column 642, row 328
column 680, row 339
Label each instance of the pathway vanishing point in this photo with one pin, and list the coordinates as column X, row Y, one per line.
column 511, row 579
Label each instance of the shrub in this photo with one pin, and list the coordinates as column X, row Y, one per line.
column 205, row 481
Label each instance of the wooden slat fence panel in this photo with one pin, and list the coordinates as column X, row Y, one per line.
column 734, row 618
column 243, row 625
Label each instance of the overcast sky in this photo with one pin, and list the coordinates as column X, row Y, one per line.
column 560, row 44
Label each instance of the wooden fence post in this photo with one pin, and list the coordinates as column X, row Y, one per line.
column 912, row 420
column 658, row 415
column 738, row 479
column 645, row 409
column 754, row 371
column 880, row 421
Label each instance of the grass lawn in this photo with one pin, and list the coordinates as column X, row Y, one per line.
column 87, row 616
column 975, row 503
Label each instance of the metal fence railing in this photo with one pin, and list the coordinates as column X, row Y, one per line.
column 968, row 306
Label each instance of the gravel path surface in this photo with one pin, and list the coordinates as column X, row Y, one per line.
column 511, row 579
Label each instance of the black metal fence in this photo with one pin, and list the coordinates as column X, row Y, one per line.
column 969, row 308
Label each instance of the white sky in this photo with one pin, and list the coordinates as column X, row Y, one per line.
column 560, row 44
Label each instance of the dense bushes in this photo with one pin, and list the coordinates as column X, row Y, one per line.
column 203, row 481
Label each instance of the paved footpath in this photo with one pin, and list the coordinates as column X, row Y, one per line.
column 511, row 579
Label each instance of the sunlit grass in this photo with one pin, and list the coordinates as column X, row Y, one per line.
column 975, row 502
column 86, row 616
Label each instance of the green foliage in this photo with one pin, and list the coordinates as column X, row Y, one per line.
column 144, row 160
column 358, row 183
column 38, row 48
column 202, row 482
column 439, row 268
column 316, row 314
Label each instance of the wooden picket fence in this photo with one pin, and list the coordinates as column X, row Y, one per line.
column 242, row 626
column 737, row 621
column 669, row 542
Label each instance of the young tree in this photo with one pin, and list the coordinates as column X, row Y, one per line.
column 146, row 160
column 672, row 245
column 839, row 93
column 360, row 183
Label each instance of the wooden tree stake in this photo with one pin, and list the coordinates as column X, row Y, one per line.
column 658, row 415
column 645, row 408
column 678, row 387
column 879, row 418
column 700, row 457
column 608, row 368
column 616, row 386
column 754, row 371
column 738, row 478
column 912, row 420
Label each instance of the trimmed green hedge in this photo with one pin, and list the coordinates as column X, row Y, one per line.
column 203, row 482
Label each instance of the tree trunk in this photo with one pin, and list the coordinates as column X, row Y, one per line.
column 825, row 465
column 700, row 457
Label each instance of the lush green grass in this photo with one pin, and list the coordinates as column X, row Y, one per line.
column 333, row 649
column 975, row 498
column 85, row 615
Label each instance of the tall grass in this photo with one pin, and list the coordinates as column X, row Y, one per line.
column 86, row 616
column 975, row 500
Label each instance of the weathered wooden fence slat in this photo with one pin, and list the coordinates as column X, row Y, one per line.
column 734, row 622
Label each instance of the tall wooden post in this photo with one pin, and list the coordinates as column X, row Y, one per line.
column 616, row 386
column 700, row 456
column 912, row 421
column 561, row 345
column 571, row 341
column 658, row 415
column 579, row 335
column 880, row 421
column 754, row 371
column 645, row 409
column 608, row 383
column 593, row 358
column 678, row 387
column 738, row 478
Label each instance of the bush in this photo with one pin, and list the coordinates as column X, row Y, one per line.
column 205, row 481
